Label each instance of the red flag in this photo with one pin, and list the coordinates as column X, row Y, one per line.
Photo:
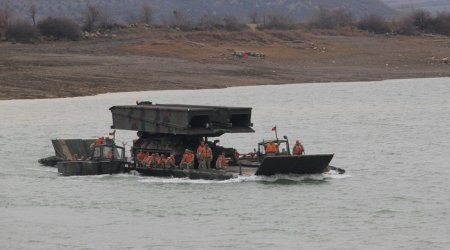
column 274, row 128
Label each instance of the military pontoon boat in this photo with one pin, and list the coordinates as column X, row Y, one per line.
column 84, row 157
column 173, row 128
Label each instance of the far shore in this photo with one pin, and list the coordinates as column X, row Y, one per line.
column 142, row 59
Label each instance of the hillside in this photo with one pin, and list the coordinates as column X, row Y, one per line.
column 431, row 5
column 123, row 9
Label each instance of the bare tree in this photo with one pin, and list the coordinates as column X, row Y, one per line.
column 254, row 16
column 277, row 21
column 32, row 10
column 422, row 19
column 331, row 18
column 5, row 17
column 442, row 23
column 209, row 22
column 373, row 23
column 147, row 14
column 231, row 23
column 91, row 17
column 182, row 21
column 107, row 20
column 132, row 18
column 21, row 31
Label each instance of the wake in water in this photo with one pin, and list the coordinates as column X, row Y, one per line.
column 281, row 178
column 252, row 178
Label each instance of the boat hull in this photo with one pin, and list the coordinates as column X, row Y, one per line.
column 296, row 164
column 204, row 174
column 70, row 168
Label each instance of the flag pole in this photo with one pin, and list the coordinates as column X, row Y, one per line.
column 276, row 134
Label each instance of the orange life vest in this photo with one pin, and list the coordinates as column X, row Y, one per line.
column 99, row 141
column 271, row 148
column 206, row 153
column 141, row 156
column 170, row 160
column 188, row 157
column 222, row 160
column 298, row 149
column 200, row 149
column 148, row 159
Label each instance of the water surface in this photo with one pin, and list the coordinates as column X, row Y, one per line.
column 392, row 137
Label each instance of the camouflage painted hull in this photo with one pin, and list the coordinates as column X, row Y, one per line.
column 301, row 164
column 69, row 168
column 204, row 174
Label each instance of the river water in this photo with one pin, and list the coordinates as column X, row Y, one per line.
column 392, row 137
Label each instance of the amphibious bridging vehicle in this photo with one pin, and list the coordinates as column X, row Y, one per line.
column 173, row 128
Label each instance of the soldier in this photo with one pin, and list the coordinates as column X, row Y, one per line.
column 141, row 155
column 222, row 161
column 205, row 157
column 188, row 160
column 162, row 162
column 200, row 149
column 156, row 160
column 170, row 162
column 100, row 140
column 298, row 148
column 148, row 160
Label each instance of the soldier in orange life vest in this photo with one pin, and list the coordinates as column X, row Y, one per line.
column 170, row 161
column 222, row 161
column 147, row 159
column 155, row 160
column 188, row 160
column 100, row 140
column 298, row 148
column 162, row 161
column 200, row 149
column 271, row 148
column 140, row 156
column 206, row 157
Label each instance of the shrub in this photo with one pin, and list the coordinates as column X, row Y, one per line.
column 209, row 22
column 182, row 21
column 331, row 19
column 442, row 23
column 373, row 23
column 231, row 23
column 5, row 17
column 91, row 17
column 21, row 31
column 422, row 20
column 60, row 28
column 279, row 22
column 405, row 26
